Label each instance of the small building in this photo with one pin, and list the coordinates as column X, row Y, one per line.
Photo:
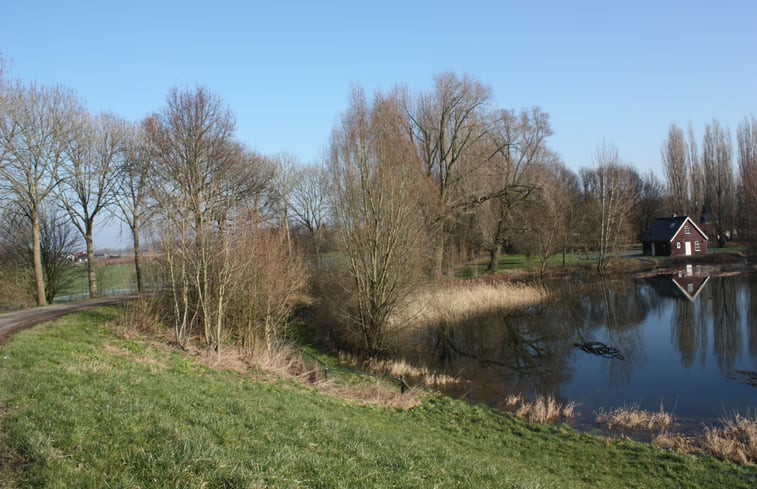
column 674, row 236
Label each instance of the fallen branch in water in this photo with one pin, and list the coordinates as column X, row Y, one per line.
column 600, row 349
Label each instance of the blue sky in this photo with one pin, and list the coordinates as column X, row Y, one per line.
column 619, row 72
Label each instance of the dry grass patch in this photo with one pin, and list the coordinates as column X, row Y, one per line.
column 634, row 418
column 545, row 409
column 735, row 440
column 459, row 302
column 676, row 442
column 377, row 393
column 404, row 370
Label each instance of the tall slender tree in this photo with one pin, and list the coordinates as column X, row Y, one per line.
column 747, row 155
column 673, row 153
column 719, row 179
column 88, row 183
column 696, row 177
column 132, row 194
column 35, row 127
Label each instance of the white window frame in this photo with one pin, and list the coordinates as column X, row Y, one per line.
column 697, row 246
column 678, row 245
column 687, row 229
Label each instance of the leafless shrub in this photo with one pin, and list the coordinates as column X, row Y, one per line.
column 269, row 282
column 143, row 314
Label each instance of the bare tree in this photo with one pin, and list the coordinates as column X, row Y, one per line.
column 373, row 165
column 197, row 162
column 518, row 145
column 287, row 167
column 675, row 166
column 696, row 177
column 88, row 175
column 34, row 128
column 611, row 188
column 57, row 239
column 132, row 191
column 650, row 200
column 204, row 179
column 449, row 127
column 747, row 154
column 551, row 217
column 310, row 204
column 718, row 178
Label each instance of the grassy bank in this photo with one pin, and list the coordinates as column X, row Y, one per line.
column 83, row 407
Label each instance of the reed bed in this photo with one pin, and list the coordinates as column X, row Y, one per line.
column 460, row 302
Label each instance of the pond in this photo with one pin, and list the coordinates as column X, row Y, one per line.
column 686, row 340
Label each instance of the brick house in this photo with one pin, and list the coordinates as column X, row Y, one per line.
column 674, row 236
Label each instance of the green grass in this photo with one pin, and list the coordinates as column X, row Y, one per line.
column 82, row 407
column 520, row 261
column 111, row 276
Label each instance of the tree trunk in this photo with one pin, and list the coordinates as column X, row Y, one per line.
column 91, row 277
column 39, row 278
column 137, row 256
column 493, row 259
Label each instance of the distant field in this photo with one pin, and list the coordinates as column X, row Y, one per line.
column 110, row 275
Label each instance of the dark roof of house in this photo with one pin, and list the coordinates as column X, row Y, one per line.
column 665, row 228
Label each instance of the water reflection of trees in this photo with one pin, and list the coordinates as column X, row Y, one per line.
column 752, row 316
column 535, row 351
column 721, row 306
column 726, row 321
column 689, row 330
column 532, row 351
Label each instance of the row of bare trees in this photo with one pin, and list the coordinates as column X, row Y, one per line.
column 179, row 178
column 707, row 186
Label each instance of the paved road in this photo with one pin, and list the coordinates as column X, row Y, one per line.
column 13, row 322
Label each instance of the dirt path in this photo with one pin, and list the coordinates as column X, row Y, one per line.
column 13, row 322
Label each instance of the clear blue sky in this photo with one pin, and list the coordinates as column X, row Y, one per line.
column 619, row 72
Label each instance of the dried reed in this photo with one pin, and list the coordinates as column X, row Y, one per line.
column 634, row 418
column 735, row 440
column 545, row 409
column 457, row 303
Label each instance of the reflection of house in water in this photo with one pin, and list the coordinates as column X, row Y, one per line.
column 686, row 283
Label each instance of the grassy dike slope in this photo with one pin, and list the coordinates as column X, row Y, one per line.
column 81, row 407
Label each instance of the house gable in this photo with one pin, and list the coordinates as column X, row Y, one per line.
column 673, row 236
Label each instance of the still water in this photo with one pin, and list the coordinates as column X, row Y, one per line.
column 686, row 340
